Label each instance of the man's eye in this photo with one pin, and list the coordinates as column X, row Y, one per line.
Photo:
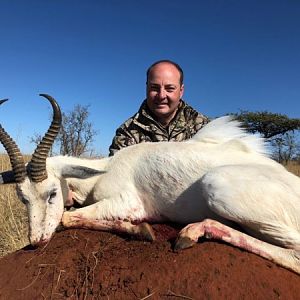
column 154, row 88
column 170, row 88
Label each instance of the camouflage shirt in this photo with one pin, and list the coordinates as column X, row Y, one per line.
column 143, row 128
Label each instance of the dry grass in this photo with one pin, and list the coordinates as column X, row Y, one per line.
column 294, row 167
column 13, row 217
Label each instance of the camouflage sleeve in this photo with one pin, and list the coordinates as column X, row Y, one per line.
column 200, row 121
column 122, row 139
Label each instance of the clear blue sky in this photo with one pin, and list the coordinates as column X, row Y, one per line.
column 235, row 55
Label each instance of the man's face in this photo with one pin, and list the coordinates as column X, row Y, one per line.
column 164, row 91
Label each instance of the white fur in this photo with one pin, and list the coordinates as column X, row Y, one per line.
column 222, row 173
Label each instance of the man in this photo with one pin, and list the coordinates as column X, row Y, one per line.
column 163, row 116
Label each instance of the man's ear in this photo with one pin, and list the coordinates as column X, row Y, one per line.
column 74, row 171
column 181, row 90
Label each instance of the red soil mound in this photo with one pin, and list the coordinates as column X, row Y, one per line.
column 83, row 264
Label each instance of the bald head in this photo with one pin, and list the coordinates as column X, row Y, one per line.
column 166, row 62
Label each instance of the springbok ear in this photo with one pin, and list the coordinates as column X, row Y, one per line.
column 7, row 177
column 79, row 172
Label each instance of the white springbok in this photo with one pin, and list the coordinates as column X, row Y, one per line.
column 217, row 180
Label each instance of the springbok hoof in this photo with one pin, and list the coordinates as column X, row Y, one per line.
column 146, row 232
column 60, row 228
column 183, row 243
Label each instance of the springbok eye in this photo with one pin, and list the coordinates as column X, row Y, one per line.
column 51, row 196
column 24, row 200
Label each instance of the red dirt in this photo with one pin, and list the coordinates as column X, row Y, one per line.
column 83, row 264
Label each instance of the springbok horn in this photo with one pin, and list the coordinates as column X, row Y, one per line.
column 15, row 156
column 37, row 169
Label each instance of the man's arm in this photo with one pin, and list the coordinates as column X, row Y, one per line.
column 200, row 121
column 122, row 139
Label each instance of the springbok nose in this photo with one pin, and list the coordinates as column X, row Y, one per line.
column 42, row 242
column 39, row 243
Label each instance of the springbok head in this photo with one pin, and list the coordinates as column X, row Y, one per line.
column 39, row 188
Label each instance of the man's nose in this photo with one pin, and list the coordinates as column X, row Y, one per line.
column 162, row 93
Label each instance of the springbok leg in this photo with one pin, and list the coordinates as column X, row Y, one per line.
column 211, row 229
column 77, row 220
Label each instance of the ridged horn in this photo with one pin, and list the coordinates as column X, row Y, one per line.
column 15, row 156
column 37, row 168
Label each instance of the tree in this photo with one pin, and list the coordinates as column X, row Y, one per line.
column 266, row 123
column 277, row 129
column 285, row 147
column 76, row 134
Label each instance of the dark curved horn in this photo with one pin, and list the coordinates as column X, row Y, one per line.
column 38, row 170
column 15, row 156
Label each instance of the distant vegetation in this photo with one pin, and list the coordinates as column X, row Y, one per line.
column 76, row 135
column 280, row 131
